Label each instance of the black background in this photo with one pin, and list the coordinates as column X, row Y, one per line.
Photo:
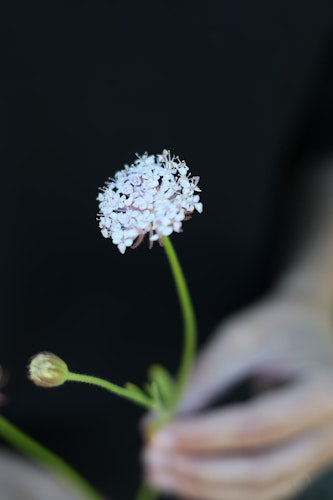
column 240, row 90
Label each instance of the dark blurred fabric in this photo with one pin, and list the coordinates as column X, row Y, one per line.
column 241, row 90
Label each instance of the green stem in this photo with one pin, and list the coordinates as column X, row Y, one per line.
column 190, row 341
column 28, row 446
column 189, row 322
column 145, row 493
column 121, row 391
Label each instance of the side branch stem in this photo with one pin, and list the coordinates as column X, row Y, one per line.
column 109, row 386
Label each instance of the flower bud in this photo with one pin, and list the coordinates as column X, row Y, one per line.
column 47, row 370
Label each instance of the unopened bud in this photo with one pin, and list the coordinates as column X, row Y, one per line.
column 47, row 370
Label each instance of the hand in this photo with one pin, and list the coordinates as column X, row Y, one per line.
column 19, row 478
column 270, row 447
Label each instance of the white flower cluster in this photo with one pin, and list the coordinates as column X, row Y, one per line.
column 154, row 195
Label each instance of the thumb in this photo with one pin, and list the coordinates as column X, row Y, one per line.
column 222, row 363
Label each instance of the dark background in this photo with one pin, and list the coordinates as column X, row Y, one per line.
column 240, row 90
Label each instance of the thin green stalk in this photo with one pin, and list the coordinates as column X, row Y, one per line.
column 189, row 322
column 190, row 342
column 116, row 389
column 31, row 448
column 145, row 493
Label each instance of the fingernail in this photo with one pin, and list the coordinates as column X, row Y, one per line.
column 163, row 440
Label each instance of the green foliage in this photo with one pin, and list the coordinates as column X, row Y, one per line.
column 164, row 383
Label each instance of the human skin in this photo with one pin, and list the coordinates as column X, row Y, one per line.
column 21, row 479
column 271, row 446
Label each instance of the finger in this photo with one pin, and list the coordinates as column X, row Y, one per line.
column 255, row 471
column 193, row 489
column 272, row 474
column 221, row 363
column 270, row 418
column 189, row 488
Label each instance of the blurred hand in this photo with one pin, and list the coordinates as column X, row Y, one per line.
column 21, row 479
column 272, row 446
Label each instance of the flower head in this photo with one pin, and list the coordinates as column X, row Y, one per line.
column 154, row 195
column 47, row 370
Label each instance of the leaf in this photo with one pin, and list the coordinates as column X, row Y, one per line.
column 135, row 389
column 152, row 391
column 164, row 382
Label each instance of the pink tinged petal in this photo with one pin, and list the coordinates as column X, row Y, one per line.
column 180, row 216
column 183, row 170
column 117, row 237
column 140, row 204
column 132, row 233
column 169, row 193
column 127, row 190
column 105, row 233
column 150, row 160
column 122, row 248
column 135, row 180
column 143, row 226
column 199, row 207
column 195, row 180
column 129, row 201
column 105, row 222
column 184, row 182
column 152, row 184
column 166, row 231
